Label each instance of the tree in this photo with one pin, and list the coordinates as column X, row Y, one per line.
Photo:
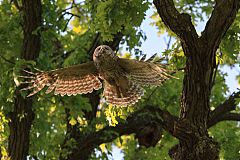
column 52, row 34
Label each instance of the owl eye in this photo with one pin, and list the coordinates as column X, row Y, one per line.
column 98, row 49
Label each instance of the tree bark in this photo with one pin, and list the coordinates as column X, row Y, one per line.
column 191, row 129
column 22, row 116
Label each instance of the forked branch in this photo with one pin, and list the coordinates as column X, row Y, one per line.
column 222, row 17
column 223, row 111
column 179, row 23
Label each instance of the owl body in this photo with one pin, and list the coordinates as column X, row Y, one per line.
column 123, row 79
column 107, row 64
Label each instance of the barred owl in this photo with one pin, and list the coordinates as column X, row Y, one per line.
column 123, row 79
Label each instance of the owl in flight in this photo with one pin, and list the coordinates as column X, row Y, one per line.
column 123, row 79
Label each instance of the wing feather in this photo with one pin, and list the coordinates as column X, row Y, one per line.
column 69, row 81
column 144, row 72
column 133, row 94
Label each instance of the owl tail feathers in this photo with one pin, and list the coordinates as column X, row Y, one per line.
column 122, row 95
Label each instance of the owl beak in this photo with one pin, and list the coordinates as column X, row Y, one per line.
column 97, row 55
column 101, row 49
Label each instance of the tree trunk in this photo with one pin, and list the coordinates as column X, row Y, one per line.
column 191, row 129
column 22, row 116
column 200, row 51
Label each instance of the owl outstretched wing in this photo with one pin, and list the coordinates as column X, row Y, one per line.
column 78, row 79
column 145, row 72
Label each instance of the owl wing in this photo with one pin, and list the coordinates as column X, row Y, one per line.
column 144, row 72
column 78, row 79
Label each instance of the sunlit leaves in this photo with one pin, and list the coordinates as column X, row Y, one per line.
column 228, row 135
column 49, row 124
column 160, row 25
column 112, row 17
column 72, row 121
column 3, row 135
column 196, row 8
column 113, row 113
column 230, row 45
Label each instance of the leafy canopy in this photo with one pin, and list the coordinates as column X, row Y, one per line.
column 68, row 32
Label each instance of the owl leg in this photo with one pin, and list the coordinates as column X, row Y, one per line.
column 122, row 86
column 118, row 91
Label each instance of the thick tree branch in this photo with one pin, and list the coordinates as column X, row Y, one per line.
column 114, row 44
column 134, row 124
column 179, row 23
column 222, row 17
column 225, row 107
column 222, row 111
column 94, row 44
column 230, row 117
column 225, row 117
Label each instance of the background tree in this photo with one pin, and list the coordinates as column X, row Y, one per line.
column 180, row 118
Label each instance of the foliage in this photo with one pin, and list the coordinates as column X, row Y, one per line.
column 227, row 134
column 68, row 32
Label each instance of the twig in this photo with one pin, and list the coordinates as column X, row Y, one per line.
column 64, row 10
column 72, row 14
column 65, row 27
column 168, row 46
column 7, row 60
column 94, row 44
column 215, row 72
column 150, row 95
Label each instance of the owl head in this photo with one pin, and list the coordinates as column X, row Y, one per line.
column 103, row 52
